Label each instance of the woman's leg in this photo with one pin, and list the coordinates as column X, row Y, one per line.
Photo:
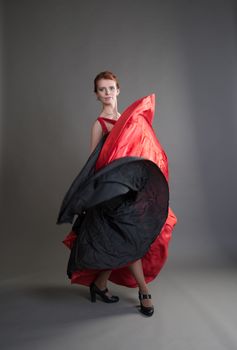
column 102, row 279
column 137, row 271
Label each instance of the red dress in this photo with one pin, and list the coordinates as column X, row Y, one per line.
column 132, row 135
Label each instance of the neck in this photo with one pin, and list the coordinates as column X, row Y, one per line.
column 111, row 111
column 108, row 110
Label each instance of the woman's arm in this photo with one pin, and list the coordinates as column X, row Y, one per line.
column 96, row 134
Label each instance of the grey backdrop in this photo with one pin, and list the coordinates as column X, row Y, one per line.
column 183, row 51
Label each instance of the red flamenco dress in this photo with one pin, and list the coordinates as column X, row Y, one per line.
column 121, row 200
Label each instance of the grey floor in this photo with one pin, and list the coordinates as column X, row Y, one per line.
column 194, row 309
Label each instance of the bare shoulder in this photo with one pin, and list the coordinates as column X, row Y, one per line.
column 96, row 127
column 96, row 124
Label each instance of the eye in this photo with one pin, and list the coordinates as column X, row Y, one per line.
column 112, row 87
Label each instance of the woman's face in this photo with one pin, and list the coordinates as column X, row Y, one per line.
column 107, row 91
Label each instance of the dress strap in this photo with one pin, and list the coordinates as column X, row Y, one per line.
column 112, row 121
column 103, row 125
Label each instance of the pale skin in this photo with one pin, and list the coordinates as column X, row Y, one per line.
column 107, row 93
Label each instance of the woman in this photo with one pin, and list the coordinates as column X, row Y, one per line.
column 117, row 193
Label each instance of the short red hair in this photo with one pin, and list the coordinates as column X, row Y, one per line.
column 105, row 75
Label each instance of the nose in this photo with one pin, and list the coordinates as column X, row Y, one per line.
column 107, row 91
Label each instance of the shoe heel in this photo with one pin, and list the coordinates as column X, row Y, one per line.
column 102, row 293
column 93, row 296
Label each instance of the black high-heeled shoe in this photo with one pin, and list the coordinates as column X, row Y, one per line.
column 95, row 290
column 145, row 310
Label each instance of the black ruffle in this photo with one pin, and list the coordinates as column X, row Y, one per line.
column 120, row 211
